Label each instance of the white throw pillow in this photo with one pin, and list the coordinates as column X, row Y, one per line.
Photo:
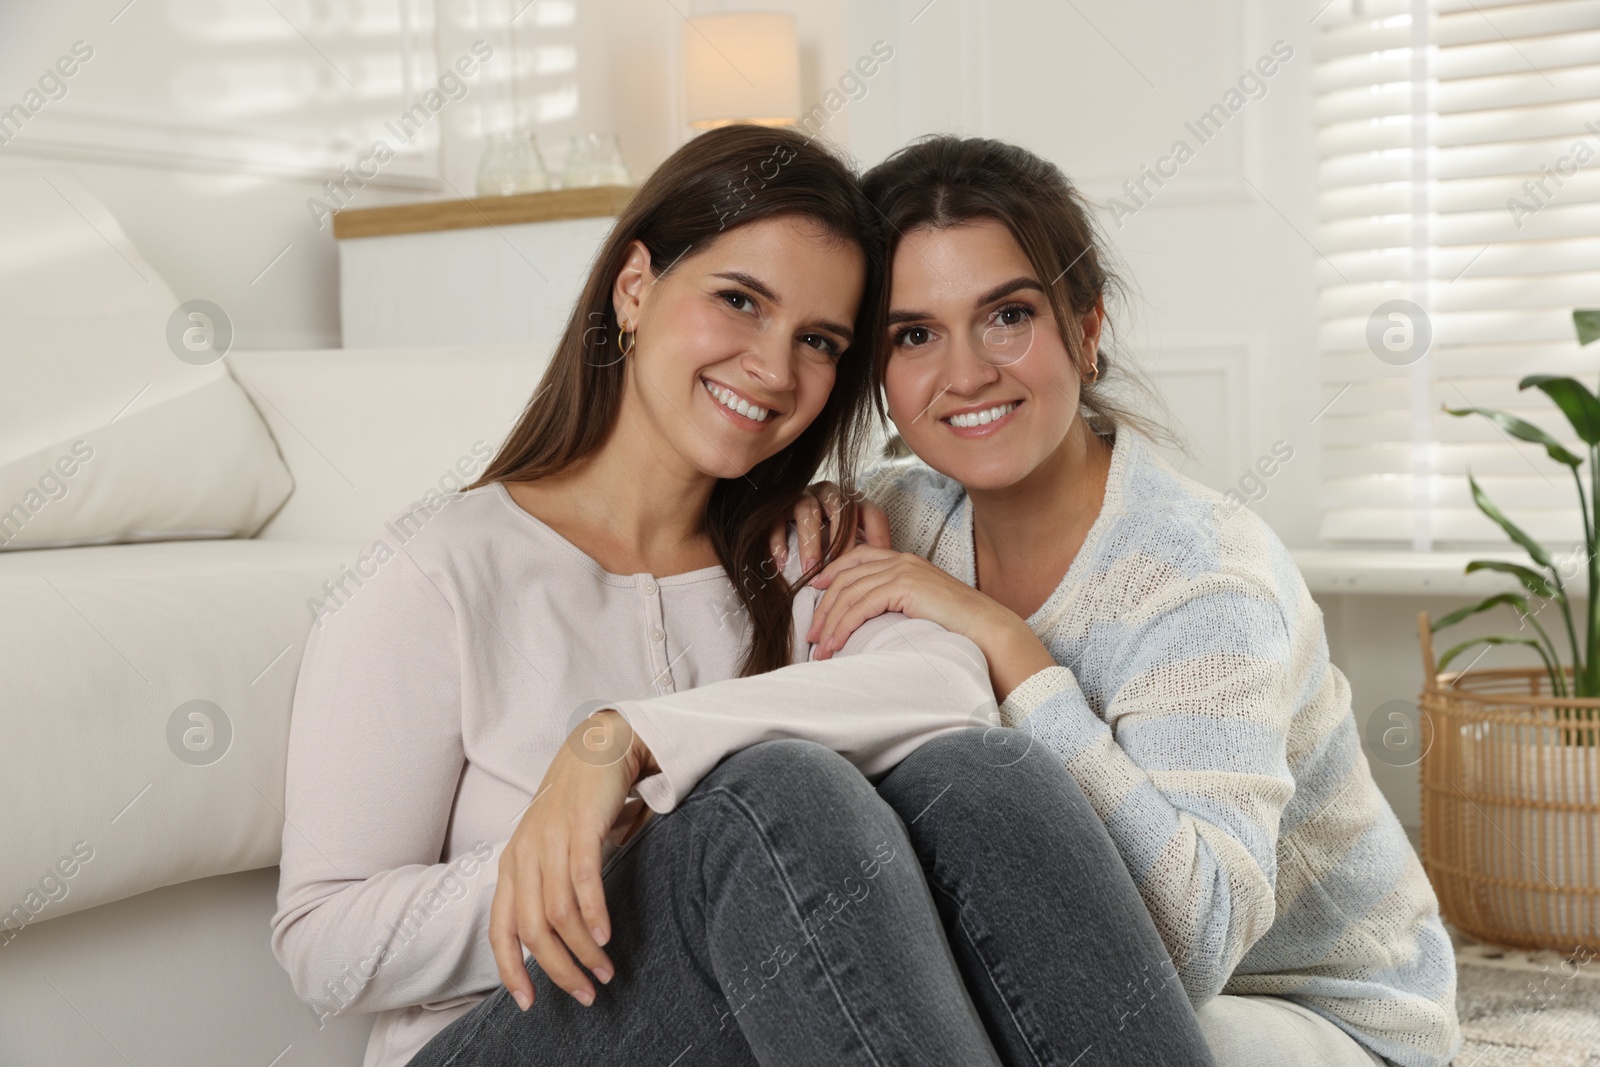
column 106, row 435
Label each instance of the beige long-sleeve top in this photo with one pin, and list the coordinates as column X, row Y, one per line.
column 436, row 687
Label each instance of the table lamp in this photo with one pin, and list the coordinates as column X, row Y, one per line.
column 742, row 67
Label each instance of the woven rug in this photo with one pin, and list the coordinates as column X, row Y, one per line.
column 1526, row 1009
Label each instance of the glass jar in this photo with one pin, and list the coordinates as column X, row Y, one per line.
column 595, row 159
column 511, row 164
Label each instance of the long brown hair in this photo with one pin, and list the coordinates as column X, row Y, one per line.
column 943, row 181
column 725, row 178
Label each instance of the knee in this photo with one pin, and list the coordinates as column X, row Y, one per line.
column 1006, row 773
column 997, row 760
column 973, row 751
column 790, row 775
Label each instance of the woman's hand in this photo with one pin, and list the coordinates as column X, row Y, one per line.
column 867, row 581
column 821, row 507
column 549, row 895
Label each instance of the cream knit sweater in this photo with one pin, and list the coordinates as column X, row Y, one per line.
column 1195, row 705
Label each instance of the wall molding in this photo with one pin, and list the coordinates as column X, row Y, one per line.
column 1228, row 361
column 89, row 137
column 1225, row 180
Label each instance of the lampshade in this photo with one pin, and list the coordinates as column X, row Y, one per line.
column 742, row 67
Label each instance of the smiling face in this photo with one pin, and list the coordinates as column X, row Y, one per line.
column 979, row 380
column 736, row 345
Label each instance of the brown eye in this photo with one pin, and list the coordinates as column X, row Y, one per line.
column 737, row 300
column 1013, row 315
column 820, row 343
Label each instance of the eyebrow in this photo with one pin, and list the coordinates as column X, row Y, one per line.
column 1001, row 290
column 760, row 288
column 750, row 281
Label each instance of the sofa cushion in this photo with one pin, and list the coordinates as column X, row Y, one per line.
column 147, row 692
column 365, row 430
column 106, row 434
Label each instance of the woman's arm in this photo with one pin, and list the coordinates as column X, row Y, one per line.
column 898, row 683
column 868, row 581
column 1190, row 779
column 368, row 918
column 1187, row 761
column 1011, row 649
column 895, row 684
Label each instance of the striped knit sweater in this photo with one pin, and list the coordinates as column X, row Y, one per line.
column 1195, row 704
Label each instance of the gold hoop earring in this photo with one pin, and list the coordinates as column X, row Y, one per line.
column 625, row 341
column 1095, row 375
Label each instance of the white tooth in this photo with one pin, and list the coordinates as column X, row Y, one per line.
column 733, row 402
column 984, row 418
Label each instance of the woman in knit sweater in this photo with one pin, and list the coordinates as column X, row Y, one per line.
column 1155, row 638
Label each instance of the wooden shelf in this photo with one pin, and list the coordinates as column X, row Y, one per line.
column 430, row 215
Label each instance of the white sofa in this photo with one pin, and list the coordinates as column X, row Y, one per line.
column 157, row 953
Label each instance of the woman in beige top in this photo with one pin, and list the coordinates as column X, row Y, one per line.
column 563, row 648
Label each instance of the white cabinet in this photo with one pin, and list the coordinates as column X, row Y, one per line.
column 498, row 270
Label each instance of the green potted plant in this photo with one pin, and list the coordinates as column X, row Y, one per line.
column 1546, row 584
column 1511, row 768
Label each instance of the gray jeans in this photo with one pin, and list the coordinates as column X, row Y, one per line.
column 969, row 909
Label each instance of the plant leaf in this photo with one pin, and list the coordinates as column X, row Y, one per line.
column 1495, row 601
column 1513, row 531
column 1531, row 579
column 1494, row 639
column 1524, row 430
column 1579, row 405
column 1587, row 322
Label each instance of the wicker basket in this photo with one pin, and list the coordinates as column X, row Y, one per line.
column 1511, row 806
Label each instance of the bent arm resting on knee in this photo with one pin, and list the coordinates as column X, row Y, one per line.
column 897, row 683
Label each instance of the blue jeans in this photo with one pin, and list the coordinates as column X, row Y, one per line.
column 969, row 909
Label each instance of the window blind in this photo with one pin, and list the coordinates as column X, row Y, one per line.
column 1458, row 171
